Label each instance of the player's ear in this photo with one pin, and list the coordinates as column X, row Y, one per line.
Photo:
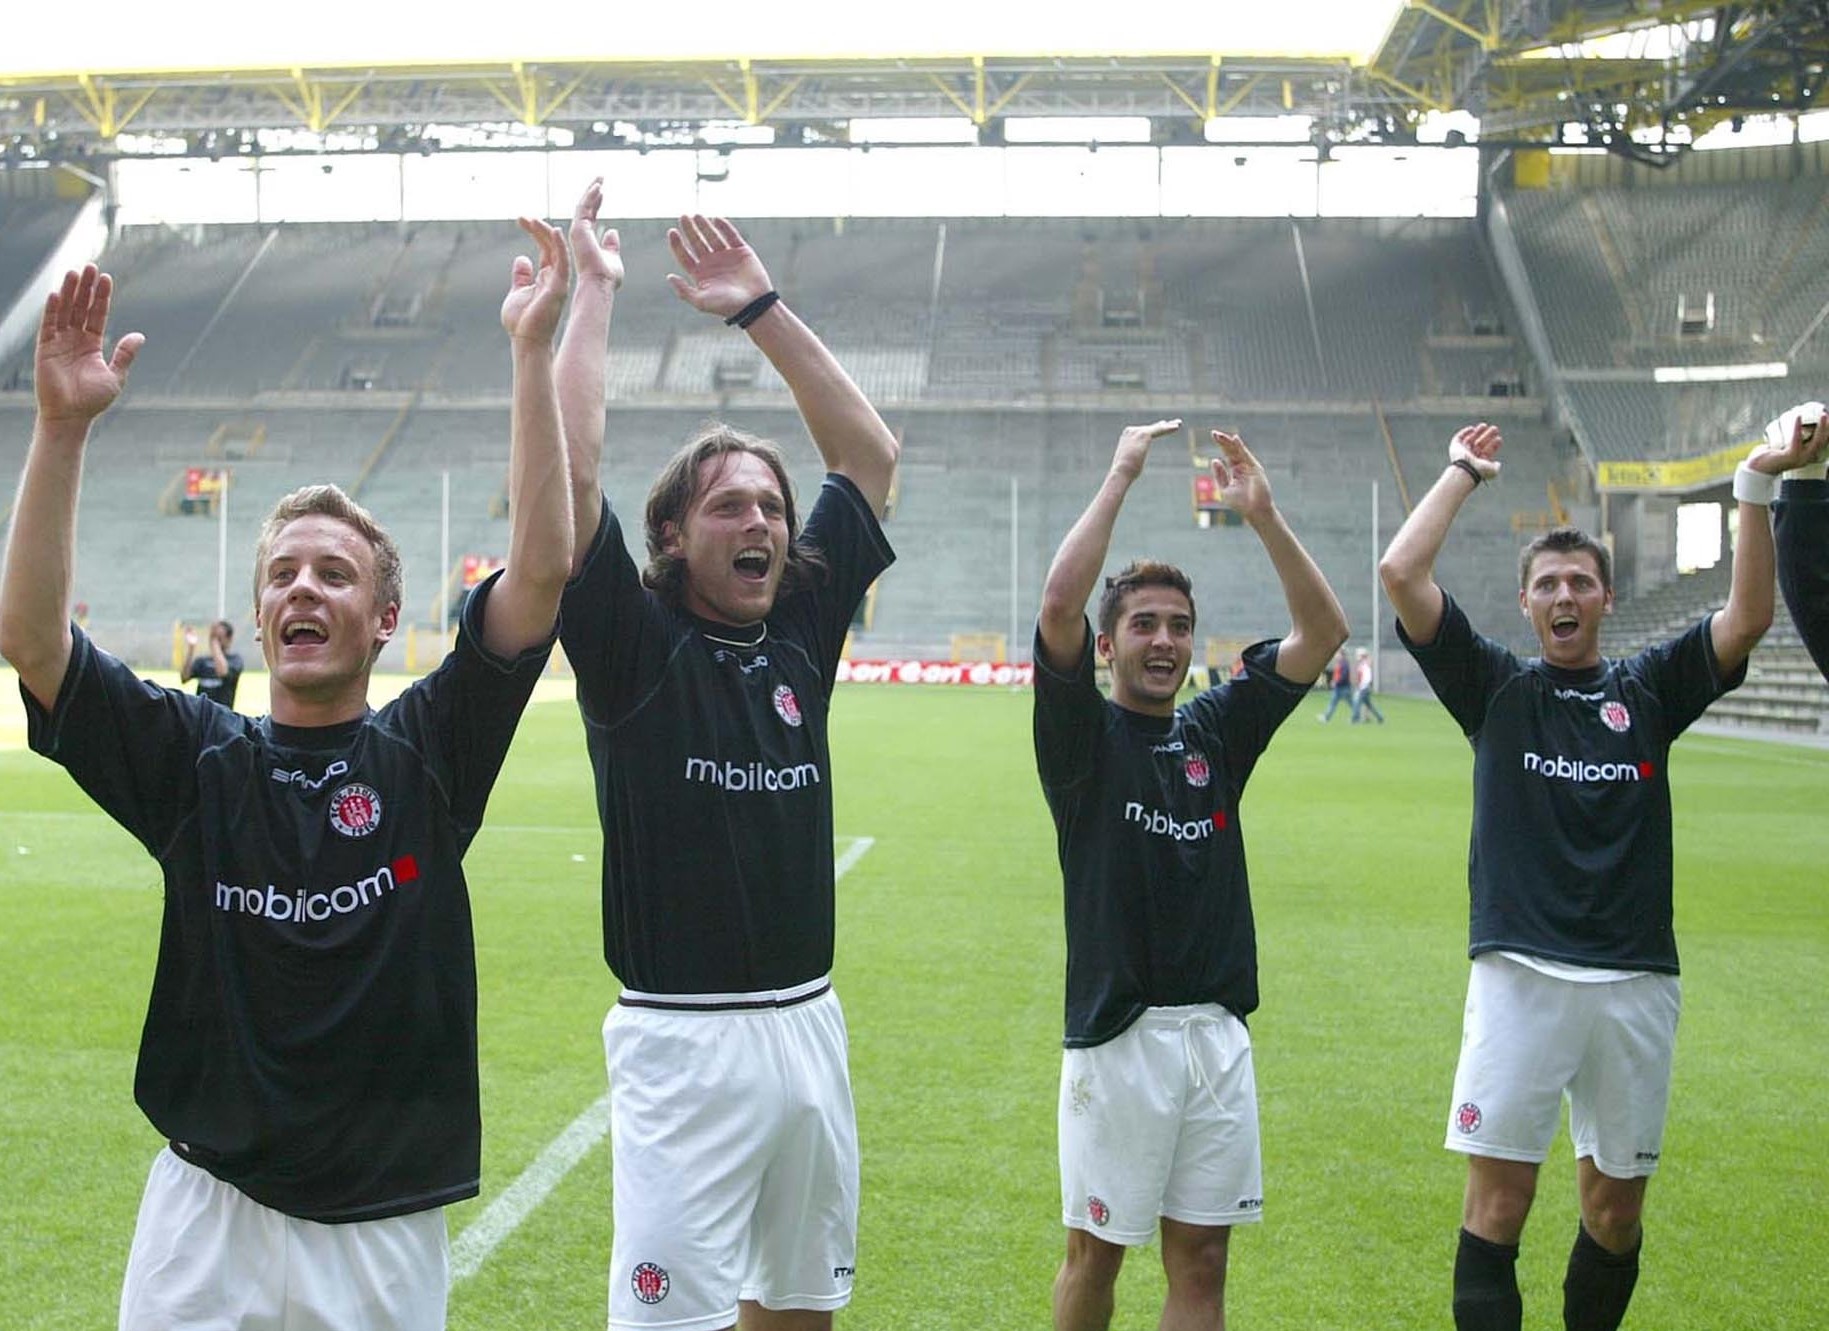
column 390, row 621
column 1102, row 645
column 670, row 538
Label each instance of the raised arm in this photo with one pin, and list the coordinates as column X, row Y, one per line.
column 579, row 367
column 521, row 610
column 1317, row 624
column 723, row 276
column 1408, row 567
column 75, row 384
column 1075, row 570
column 188, row 671
column 1796, row 439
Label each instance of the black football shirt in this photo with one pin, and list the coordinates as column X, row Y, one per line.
column 222, row 690
column 713, row 774
column 311, row 1035
column 1152, row 853
column 1800, row 521
column 1570, row 858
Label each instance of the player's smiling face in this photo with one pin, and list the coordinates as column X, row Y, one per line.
column 1149, row 649
column 1565, row 602
column 734, row 540
column 320, row 626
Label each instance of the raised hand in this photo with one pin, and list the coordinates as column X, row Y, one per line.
column 722, row 273
column 73, row 381
column 1133, row 446
column 530, row 311
column 1795, row 439
column 1478, row 446
column 1243, row 487
column 597, row 258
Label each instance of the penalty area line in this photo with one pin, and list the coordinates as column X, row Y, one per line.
column 482, row 1236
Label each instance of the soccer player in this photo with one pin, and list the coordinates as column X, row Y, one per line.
column 1800, row 521
column 1158, row 1101
column 704, row 680
column 309, row 1050
column 1574, row 988
column 218, row 670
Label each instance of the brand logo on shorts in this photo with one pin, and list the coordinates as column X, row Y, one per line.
column 1250, row 1203
column 1645, row 1157
column 355, row 810
column 1100, row 1213
column 1615, row 717
column 1468, row 1118
column 1196, row 768
column 650, row 1282
column 787, row 706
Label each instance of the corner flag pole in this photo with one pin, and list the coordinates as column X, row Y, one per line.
column 1377, row 671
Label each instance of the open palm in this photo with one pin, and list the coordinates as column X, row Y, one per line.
column 722, row 273
column 73, row 380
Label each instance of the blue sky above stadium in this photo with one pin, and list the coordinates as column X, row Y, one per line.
column 189, row 34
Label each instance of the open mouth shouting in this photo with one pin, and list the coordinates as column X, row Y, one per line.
column 753, row 562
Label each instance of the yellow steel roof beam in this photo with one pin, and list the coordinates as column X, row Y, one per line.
column 1487, row 40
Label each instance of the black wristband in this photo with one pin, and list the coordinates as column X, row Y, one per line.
column 753, row 311
column 1467, row 467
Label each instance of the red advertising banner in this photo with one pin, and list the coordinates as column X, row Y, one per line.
column 935, row 672
column 203, row 482
column 479, row 567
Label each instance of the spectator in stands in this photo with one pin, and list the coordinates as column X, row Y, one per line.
column 1362, row 687
column 1801, row 520
column 216, row 671
column 1340, row 681
column 704, row 680
column 1573, row 988
column 309, row 1049
column 1158, row 1098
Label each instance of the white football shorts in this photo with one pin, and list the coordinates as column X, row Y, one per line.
column 733, row 1156
column 207, row 1257
column 1530, row 1039
column 1161, row 1121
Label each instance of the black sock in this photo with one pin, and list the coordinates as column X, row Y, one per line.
column 1599, row 1284
column 1486, row 1286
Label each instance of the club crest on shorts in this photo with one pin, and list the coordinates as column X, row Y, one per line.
column 1195, row 766
column 1468, row 1118
column 650, row 1282
column 1615, row 717
column 1098, row 1211
column 787, row 706
column 355, row 810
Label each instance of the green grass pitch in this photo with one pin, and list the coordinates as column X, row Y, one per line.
column 950, row 964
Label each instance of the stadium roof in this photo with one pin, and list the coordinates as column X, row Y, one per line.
column 381, row 75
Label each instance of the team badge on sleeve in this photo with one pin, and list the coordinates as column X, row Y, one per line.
column 1195, row 766
column 355, row 810
column 650, row 1282
column 1615, row 717
column 1468, row 1119
column 787, row 706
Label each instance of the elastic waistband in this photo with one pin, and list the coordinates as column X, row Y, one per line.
column 759, row 1001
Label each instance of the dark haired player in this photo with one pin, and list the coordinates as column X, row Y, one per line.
column 704, row 681
column 309, row 1048
column 1574, row 989
column 1158, row 1103
column 217, row 670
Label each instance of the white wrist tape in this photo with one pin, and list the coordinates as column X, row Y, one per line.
column 1754, row 487
column 1778, row 435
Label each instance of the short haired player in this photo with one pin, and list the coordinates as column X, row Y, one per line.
column 1158, row 1099
column 309, row 1049
column 704, row 681
column 1573, row 992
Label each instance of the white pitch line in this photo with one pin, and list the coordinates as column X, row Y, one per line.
column 482, row 1236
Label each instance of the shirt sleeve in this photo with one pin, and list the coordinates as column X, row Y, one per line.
column 131, row 745
column 1684, row 675
column 462, row 716
column 1069, row 711
column 1463, row 668
column 845, row 535
column 616, row 633
column 1247, row 710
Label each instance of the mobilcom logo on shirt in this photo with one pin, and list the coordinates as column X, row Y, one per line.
column 1577, row 769
column 1165, row 824
column 740, row 777
column 306, row 905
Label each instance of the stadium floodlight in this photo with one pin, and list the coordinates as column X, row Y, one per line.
column 1716, row 374
column 1076, row 129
